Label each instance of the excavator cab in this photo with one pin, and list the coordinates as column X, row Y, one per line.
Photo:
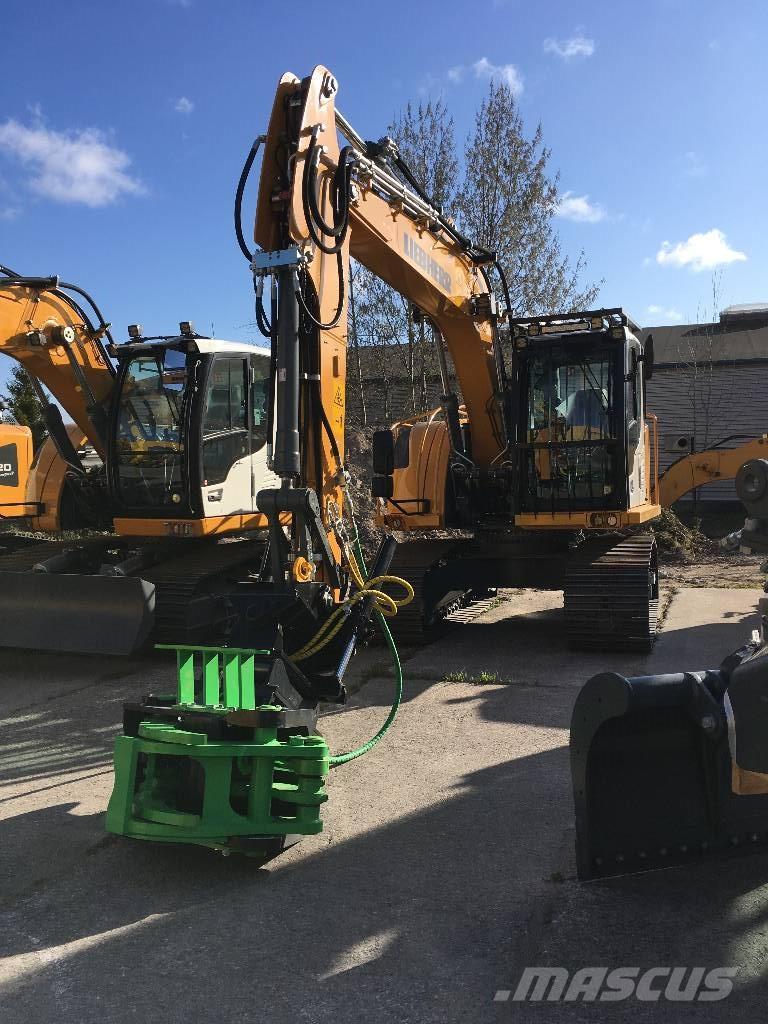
column 189, row 433
column 584, row 446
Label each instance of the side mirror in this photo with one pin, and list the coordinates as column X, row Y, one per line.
column 648, row 358
column 382, row 486
column 383, row 453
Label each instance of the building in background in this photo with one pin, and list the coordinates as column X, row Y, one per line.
column 710, row 386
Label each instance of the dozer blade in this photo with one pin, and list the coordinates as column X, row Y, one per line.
column 80, row 613
column 652, row 772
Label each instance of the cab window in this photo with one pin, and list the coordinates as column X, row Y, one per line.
column 225, row 403
column 225, row 419
column 259, row 400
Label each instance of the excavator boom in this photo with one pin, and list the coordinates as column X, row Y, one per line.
column 44, row 327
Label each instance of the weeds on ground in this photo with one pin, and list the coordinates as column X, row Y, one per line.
column 680, row 542
column 481, row 679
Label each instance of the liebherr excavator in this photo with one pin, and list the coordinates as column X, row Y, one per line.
column 180, row 425
column 545, row 455
column 550, row 443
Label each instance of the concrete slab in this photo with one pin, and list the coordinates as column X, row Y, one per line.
column 522, row 640
column 437, row 878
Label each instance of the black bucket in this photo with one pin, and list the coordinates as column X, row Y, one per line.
column 652, row 770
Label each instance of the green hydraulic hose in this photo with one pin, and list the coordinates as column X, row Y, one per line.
column 338, row 759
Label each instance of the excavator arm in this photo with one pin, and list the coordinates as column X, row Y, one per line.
column 44, row 327
column 388, row 227
column 712, row 466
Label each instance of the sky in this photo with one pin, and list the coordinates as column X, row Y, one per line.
column 123, row 129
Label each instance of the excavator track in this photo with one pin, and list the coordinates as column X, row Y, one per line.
column 189, row 605
column 419, row 621
column 612, row 595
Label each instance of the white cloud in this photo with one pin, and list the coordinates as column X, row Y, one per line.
column 579, row 208
column 666, row 316
column 456, row 74
column 567, row 49
column 70, row 167
column 184, row 105
column 701, row 251
column 507, row 73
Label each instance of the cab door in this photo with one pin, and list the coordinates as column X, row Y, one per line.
column 226, row 474
column 262, row 476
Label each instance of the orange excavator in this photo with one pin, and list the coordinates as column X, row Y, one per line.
column 549, row 451
column 544, row 456
column 15, row 466
column 179, row 424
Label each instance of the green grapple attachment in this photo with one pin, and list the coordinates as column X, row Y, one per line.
column 214, row 767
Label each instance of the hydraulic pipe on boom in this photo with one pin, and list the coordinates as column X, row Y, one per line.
column 287, row 456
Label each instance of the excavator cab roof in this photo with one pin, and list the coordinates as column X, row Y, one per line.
column 569, row 323
column 185, row 343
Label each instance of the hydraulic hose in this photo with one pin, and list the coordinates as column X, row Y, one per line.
column 339, row 308
column 239, row 197
column 338, row 759
column 340, row 195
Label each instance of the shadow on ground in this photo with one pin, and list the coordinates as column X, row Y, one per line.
column 417, row 916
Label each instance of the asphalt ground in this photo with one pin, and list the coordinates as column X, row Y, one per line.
column 444, row 869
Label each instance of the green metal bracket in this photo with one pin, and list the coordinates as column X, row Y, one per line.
column 222, row 785
column 227, row 675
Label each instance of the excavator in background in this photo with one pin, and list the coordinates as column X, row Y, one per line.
column 568, row 460
column 179, row 425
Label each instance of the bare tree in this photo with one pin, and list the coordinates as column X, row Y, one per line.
column 700, row 349
column 426, row 139
column 505, row 200
column 507, row 203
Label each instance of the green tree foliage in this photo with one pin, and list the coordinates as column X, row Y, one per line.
column 22, row 403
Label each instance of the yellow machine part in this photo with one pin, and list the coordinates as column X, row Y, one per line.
column 15, row 463
column 707, row 467
column 45, row 486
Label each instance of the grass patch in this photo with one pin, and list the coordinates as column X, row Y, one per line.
column 481, row 679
